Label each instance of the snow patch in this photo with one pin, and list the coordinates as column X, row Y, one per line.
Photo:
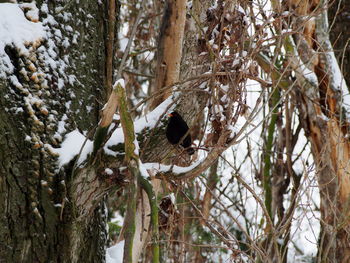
column 114, row 254
column 143, row 170
column 71, row 146
column 121, row 82
column 108, row 171
column 173, row 168
column 147, row 121
column 16, row 30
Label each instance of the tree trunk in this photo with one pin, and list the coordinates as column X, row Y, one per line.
column 169, row 50
column 59, row 84
column 339, row 19
column 326, row 126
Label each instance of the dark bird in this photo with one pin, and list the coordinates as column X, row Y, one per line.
column 176, row 130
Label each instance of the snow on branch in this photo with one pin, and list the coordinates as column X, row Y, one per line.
column 74, row 140
column 147, row 121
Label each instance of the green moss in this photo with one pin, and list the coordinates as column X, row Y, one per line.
column 99, row 139
column 114, row 229
column 118, row 148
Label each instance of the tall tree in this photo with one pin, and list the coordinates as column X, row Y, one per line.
column 53, row 85
column 252, row 81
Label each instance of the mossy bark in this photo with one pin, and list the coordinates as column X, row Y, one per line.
column 38, row 222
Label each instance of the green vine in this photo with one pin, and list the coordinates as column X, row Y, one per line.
column 132, row 161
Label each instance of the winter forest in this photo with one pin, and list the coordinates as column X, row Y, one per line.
column 181, row 131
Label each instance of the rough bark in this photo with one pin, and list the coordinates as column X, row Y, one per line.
column 169, row 51
column 326, row 127
column 38, row 223
column 339, row 19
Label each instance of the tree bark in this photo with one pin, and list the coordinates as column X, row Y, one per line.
column 326, row 128
column 339, row 19
column 58, row 82
column 169, row 51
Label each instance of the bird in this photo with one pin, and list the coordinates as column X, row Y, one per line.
column 176, row 130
